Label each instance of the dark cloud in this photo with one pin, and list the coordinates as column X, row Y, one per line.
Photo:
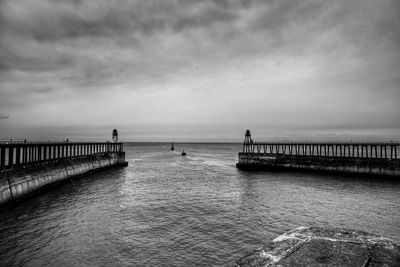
column 60, row 20
column 48, row 36
column 230, row 55
column 4, row 117
column 35, row 60
column 204, row 18
column 43, row 90
column 53, row 30
column 4, row 67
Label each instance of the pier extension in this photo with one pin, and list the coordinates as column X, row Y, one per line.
column 371, row 159
column 26, row 167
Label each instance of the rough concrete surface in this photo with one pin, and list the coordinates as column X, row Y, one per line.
column 317, row 246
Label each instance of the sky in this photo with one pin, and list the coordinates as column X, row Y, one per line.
column 199, row 70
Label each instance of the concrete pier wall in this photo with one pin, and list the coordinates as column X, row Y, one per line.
column 21, row 181
column 362, row 166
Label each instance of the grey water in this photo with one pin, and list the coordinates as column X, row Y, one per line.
column 199, row 210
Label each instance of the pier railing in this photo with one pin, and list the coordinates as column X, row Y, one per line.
column 25, row 153
column 338, row 150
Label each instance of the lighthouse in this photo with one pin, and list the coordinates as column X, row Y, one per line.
column 248, row 143
column 115, row 136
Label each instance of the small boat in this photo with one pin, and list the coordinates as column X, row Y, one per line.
column 183, row 153
column 172, row 146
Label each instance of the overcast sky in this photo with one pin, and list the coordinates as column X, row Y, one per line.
column 197, row 70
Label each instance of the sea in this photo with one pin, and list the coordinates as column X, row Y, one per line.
column 200, row 210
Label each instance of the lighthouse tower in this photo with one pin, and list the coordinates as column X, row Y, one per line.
column 248, row 142
column 115, row 136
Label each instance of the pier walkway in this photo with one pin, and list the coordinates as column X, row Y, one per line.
column 332, row 149
column 13, row 154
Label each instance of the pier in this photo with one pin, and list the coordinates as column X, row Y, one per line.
column 374, row 158
column 28, row 167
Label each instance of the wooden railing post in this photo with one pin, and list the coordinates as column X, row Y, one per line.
column 10, row 156
column 18, row 155
column 2, row 157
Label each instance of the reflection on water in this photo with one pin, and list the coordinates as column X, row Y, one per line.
column 165, row 209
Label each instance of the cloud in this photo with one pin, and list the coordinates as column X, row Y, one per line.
column 53, row 20
column 222, row 61
column 4, row 116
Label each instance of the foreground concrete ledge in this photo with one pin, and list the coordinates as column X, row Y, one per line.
column 317, row 246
